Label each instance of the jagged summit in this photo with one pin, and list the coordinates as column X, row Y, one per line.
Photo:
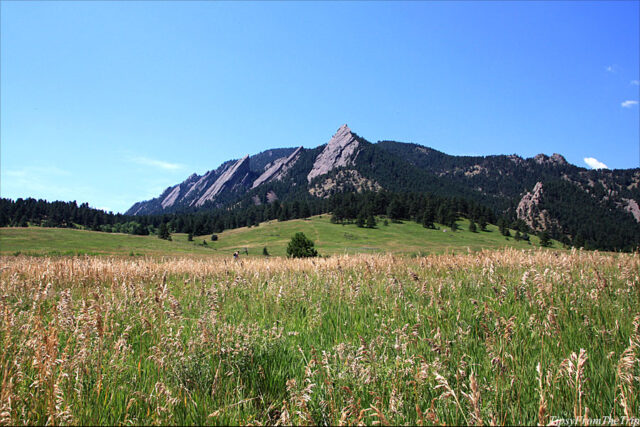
column 555, row 159
column 340, row 151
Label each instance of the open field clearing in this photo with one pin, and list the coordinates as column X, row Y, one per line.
column 330, row 239
column 64, row 241
column 499, row 337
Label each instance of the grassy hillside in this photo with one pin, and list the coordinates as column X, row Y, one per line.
column 404, row 238
column 61, row 241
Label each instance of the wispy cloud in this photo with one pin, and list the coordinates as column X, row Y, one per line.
column 146, row 161
column 611, row 68
column 594, row 163
column 635, row 82
column 629, row 103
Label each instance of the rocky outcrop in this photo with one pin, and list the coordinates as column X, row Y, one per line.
column 529, row 210
column 340, row 151
column 555, row 159
column 178, row 191
column 234, row 176
column 344, row 180
column 632, row 207
column 200, row 185
column 276, row 170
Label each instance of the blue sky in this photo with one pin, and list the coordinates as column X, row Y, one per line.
column 111, row 102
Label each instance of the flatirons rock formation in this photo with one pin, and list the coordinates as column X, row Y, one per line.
column 234, row 177
column 531, row 189
column 277, row 169
column 340, row 151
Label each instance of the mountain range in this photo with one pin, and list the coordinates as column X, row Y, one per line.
column 546, row 192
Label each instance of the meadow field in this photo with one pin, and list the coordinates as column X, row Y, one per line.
column 407, row 238
column 508, row 336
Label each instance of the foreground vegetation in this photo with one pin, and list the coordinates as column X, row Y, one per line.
column 503, row 337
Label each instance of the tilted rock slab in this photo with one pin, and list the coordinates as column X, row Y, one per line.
column 340, row 151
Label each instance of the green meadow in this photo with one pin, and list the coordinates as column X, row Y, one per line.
column 408, row 238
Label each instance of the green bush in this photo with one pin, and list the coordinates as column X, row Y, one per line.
column 301, row 246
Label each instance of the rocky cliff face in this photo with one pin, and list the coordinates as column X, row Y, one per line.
column 277, row 169
column 529, row 210
column 235, row 176
column 179, row 191
column 632, row 207
column 340, row 151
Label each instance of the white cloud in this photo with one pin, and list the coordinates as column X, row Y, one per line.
column 594, row 163
column 611, row 68
column 156, row 163
column 635, row 82
column 629, row 103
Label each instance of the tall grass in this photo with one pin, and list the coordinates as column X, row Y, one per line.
column 496, row 337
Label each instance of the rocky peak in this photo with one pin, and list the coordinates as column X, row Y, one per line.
column 555, row 159
column 340, row 151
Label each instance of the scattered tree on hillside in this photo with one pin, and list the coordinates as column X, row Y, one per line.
column 301, row 246
column 371, row 221
column 163, row 232
column 503, row 227
column 544, row 239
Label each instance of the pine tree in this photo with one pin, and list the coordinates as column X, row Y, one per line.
column 472, row 227
column 371, row 221
column 427, row 220
column 163, row 232
column 265, row 252
column 301, row 246
column 544, row 239
column 360, row 220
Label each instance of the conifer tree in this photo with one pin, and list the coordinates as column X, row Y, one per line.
column 163, row 232
column 371, row 221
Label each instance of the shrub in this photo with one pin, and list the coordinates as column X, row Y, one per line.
column 301, row 246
